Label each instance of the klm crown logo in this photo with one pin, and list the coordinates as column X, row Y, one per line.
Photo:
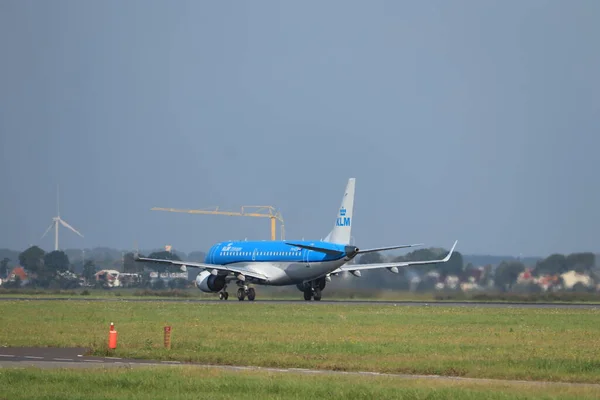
column 342, row 220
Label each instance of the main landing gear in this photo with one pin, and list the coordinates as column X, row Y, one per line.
column 312, row 293
column 312, row 290
column 242, row 292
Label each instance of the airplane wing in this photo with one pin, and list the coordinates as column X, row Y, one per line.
column 360, row 267
column 224, row 268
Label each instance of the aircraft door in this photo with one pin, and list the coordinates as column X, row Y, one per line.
column 254, row 254
column 306, row 258
column 211, row 256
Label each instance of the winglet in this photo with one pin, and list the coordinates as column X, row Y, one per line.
column 451, row 251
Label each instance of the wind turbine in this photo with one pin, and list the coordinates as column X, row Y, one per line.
column 56, row 221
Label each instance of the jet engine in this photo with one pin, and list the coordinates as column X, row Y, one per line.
column 210, row 283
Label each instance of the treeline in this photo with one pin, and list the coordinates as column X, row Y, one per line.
column 501, row 276
column 102, row 257
column 56, row 269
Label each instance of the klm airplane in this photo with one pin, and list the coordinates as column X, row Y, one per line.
column 307, row 264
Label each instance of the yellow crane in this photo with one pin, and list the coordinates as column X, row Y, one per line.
column 259, row 211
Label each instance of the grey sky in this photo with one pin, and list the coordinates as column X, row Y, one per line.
column 469, row 120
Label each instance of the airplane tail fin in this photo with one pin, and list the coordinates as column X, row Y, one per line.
column 343, row 224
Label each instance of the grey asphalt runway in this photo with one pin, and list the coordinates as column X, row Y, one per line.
column 506, row 304
column 48, row 357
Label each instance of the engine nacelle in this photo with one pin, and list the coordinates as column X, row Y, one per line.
column 210, row 283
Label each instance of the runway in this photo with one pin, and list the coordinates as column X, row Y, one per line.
column 404, row 303
column 50, row 357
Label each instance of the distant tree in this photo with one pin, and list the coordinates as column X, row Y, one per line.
column 56, row 261
column 197, row 256
column 551, row 265
column 580, row 262
column 454, row 266
column 178, row 283
column 89, row 271
column 129, row 264
column 507, row 274
column 159, row 284
column 4, row 267
column 32, row 259
column 580, row 287
column 488, row 275
column 420, row 255
column 370, row 258
column 15, row 284
column 164, row 255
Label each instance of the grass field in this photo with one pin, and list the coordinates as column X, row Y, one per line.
column 200, row 383
column 532, row 344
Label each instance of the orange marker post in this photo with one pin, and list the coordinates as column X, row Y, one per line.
column 167, row 337
column 112, row 337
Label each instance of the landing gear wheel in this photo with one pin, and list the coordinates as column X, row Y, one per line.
column 240, row 294
column 223, row 295
column 251, row 294
column 307, row 295
column 317, row 294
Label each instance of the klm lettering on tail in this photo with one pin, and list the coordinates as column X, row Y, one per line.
column 342, row 220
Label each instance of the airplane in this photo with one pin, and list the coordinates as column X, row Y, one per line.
column 307, row 264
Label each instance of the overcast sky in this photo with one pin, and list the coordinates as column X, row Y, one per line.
column 469, row 120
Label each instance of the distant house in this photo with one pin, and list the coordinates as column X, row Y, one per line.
column 571, row 278
column 108, row 277
column 17, row 272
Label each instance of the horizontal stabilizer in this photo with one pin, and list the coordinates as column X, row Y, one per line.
column 315, row 248
column 388, row 248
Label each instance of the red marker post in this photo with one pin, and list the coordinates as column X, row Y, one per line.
column 167, row 337
column 112, row 337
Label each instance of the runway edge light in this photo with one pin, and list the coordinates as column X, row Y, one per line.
column 112, row 337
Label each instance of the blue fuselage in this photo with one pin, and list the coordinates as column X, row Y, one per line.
column 284, row 263
column 270, row 251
